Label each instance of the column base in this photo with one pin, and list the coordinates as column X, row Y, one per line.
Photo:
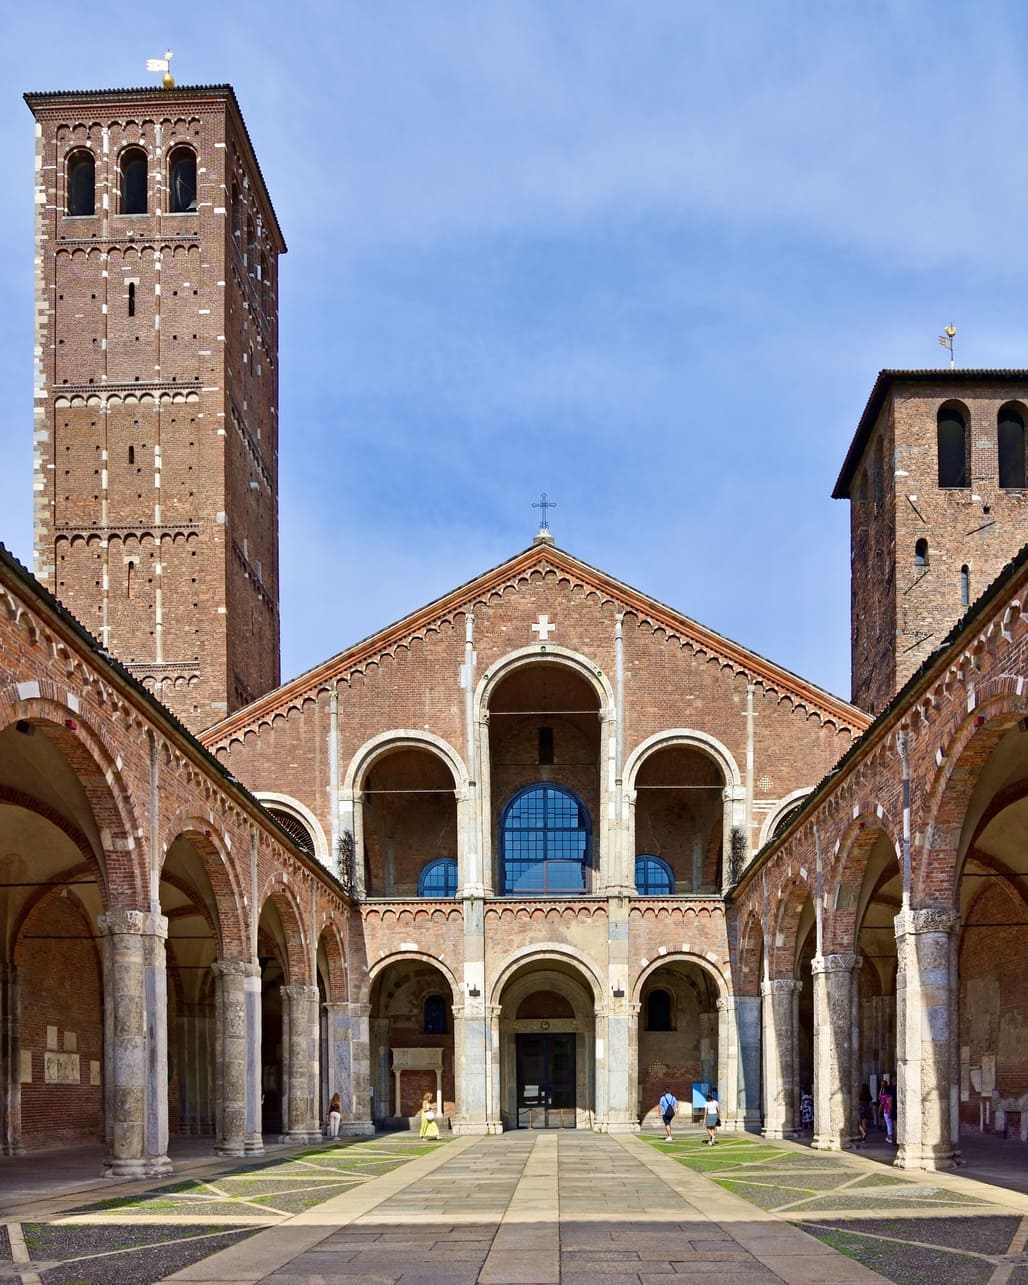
column 357, row 1129
column 618, row 1126
column 226, row 1150
column 299, row 1138
column 139, row 1167
column 11, row 1149
column 474, row 1128
column 254, row 1144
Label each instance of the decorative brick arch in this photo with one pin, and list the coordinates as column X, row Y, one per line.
column 748, row 964
column 793, row 895
column 948, row 796
column 376, row 970
column 541, row 954
column 91, row 755
column 781, row 809
column 683, row 738
column 554, row 654
column 335, row 957
column 401, row 738
column 286, row 803
column 231, row 928
column 843, row 913
column 702, row 962
column 281, row 895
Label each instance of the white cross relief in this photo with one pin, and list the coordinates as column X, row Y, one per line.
column 543, row 628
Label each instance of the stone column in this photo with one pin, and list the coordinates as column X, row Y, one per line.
column 926, row 1018
column 135, row 1044
column 299, row 1015
column 378, row 1069
column 727, row 1063
column 231, row 1051
column 834, row 1089
column 622, row 1067
column 254, row 1140
column 10, row 1062
column 747, row 1013
column 779, row 1042
column 494, row 1107
column 347, row 1063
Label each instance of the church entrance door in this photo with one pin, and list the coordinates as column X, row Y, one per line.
column 546, row 1081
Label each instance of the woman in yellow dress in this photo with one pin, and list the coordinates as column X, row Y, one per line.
column 429, row 1128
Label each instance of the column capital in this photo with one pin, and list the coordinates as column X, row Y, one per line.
column 231, row 968
column 844, row 962
column 781, row 986
column 726, row 1004
column 136, row 923
column 297, row 991
column 929, row 919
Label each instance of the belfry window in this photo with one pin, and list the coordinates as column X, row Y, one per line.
column 438, row 878
column 653, row 877
column 182, row 180
column 545, row 843
column 921, row 553
column 81, row 183
column 133, row 181
column 952, row 444
column 1010, row 447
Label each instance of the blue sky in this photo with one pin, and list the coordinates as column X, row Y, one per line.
column 647, row 257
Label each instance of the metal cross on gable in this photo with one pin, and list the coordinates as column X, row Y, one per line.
column 544, row 504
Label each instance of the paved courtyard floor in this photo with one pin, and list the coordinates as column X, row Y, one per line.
column 553, row 1208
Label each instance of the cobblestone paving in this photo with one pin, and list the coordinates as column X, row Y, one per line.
column 138, row 1238
column 915, row 1236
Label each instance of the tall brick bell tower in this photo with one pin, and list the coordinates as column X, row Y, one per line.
column 936, row 479
column 156, row 388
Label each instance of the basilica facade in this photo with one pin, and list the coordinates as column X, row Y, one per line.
column 543, row 848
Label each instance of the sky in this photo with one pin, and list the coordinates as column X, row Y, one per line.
column 646, row 256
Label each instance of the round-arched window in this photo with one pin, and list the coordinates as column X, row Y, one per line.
column 81, row 183
column 133, row 181
column 438, row 878
column 545, row 843
column 653, row 877
column 182, row 180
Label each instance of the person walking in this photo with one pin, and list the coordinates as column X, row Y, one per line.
column 863, row 1115
column 807, row 1111
column 711, row 1118
column 668, row 1111
column 887, row 1106
column 335, row 1114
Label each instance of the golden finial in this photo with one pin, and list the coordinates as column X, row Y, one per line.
column 163, row 65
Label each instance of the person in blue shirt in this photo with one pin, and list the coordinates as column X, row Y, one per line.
column 668, row 1110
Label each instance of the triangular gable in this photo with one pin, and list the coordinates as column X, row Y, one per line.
column 547, row 559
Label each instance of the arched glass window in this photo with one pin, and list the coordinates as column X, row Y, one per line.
column 545, row 842
column 965, row 587
column 133, row 181
column 434, row 1022
column 438, row 878
column 653, row 877
column 182, row 180
column 1010, row 445
column 295, row 828
column 658, row 1011
column 952, row 442
column 921, row 553
column 81, row 183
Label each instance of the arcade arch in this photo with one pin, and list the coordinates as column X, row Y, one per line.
column 681, row 1052
column 411, row 1039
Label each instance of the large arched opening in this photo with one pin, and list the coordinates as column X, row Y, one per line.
column 412, row 1041
column 677, row 1036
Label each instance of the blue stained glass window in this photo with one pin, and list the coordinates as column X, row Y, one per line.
column 653, row 877
column 545, row 843
column 438, row 878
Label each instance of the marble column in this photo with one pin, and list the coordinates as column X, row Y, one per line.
column 232, row 1053
column 347, row 1063
column 10, row 1062
column 135, row 1043
column 378, row 1069
column 300, row 1042
column 727, row 1063
column 623, row 1067
column 748, row 1034
column 778, row 1014
column 254, row 1140
column 834, row 1089
column 494, row 1103
column 926, row 1017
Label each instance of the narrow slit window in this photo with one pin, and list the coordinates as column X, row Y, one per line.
column 921, row 553
column 546, row 745
column 132, row 455
column 132, row 299
column 965, row 587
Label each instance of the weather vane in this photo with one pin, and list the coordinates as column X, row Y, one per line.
column 946, row 340
column 163, row 65
column 544, row 504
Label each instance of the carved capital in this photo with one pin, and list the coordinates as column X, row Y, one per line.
column 136, row 923
column 930, row 919
column 781, row 986
column 726, row 1004
column 845, row 962
column 231, row 968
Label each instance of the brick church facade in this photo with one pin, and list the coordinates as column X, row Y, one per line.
column 544, row 847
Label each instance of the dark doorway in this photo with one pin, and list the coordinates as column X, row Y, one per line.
column 546, row 1081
